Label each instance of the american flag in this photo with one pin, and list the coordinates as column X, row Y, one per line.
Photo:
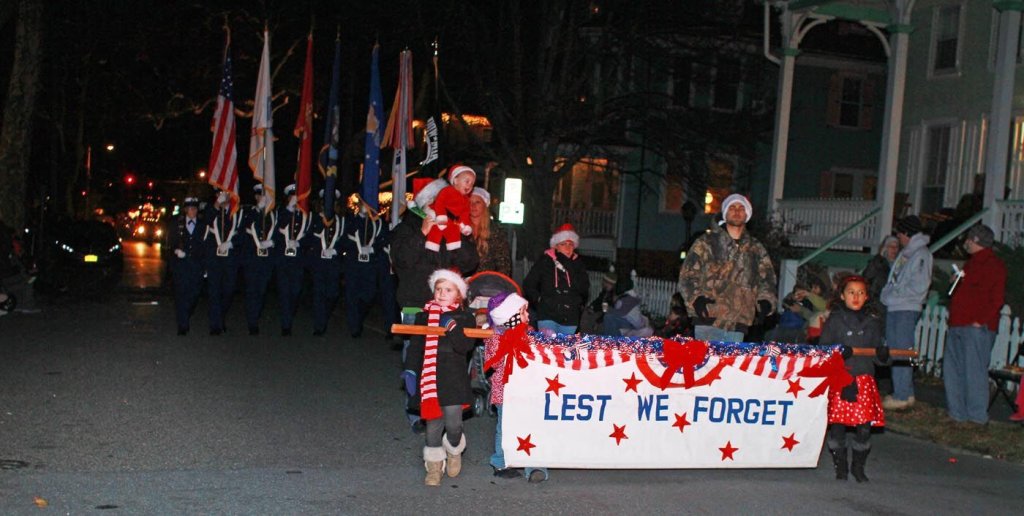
column 223, row 166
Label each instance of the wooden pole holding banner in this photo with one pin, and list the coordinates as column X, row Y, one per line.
column 483, row 333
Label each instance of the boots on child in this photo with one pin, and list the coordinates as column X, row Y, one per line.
column 857, row 468
column 433, row 461
column 840, row 462
column 454, row 455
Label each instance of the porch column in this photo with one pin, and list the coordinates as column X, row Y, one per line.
column 997, row 156
column 893, row 123
column 780, row 145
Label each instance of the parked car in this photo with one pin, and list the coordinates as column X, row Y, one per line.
column 80, row 253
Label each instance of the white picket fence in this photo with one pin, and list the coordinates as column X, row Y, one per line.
column 930, row 339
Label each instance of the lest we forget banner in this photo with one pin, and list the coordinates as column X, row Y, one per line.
column 578, row 401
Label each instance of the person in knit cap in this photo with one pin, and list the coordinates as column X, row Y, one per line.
column 443, row 388
column 727, row 279
column 903, row 296
column 508, row 314
column 558, row 285
column 451, row 210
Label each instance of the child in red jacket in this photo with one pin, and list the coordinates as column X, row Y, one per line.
column 451, row 210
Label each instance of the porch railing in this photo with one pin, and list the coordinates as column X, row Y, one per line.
column 1010, row 219
column 587, row 222
column 812, row 222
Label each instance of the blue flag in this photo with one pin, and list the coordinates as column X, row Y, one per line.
column 328, row 159
column 374, row 133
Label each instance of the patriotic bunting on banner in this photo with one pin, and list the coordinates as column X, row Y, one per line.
column 398, row 134
column 224, row 154
column 261, row 141
column 304, row 131
column 328, row 159
column 374, row 117
column 582, row 401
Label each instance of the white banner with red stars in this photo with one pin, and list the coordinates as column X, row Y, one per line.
column 740, row 411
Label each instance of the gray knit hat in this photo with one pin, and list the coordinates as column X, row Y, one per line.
column 982, row 235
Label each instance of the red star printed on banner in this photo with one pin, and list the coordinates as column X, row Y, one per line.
column 619, row 434
column 788, row 442
column 631, row 383
column 794, row 387
column 681, row 422
column 525, row 444
column 728, row 450
column 554, row 385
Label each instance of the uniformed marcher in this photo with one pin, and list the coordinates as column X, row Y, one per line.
column 186, row 241
column 222, row 235
column 367, row 270
column 324, row 254
column 257, row 259
column 292, row 233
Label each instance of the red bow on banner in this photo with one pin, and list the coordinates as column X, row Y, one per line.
column 513, row 348
column 687, row 356
column 833, row 370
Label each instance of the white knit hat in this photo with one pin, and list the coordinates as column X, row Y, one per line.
column 737, row 198
column 449, row 275
column 563, row 233
column 483, row 194
column 507, row 309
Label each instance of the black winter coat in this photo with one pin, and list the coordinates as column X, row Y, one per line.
column 452, row 358
column 413, row 263
column 856, row 330
column 558, row 294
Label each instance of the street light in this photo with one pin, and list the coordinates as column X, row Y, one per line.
column 110, row 147
column 202, row 174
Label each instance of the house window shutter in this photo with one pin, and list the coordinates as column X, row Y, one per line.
column 867, row 106
column 835, row 95
column 825, row 185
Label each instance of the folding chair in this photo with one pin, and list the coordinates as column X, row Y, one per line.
column 1006, row 376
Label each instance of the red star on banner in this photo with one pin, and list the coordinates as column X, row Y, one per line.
column 554, row 385
column 525, row 444
column 631, row 383
column 794, row 387
column 681, row 422
column 728, row 450
column 619, row 434
column 789, row 442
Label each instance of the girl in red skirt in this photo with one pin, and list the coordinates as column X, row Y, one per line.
column 857, row 405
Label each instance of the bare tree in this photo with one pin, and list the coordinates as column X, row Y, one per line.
column 16, row 138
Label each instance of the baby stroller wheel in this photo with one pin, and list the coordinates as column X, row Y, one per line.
column 479, row 406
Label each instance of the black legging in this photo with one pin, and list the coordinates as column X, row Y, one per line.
column 861, row 437
column 450, row 422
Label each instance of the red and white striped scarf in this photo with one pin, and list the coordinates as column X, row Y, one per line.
column 430, row 407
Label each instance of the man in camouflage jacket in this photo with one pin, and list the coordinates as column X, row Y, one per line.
column 727, row 279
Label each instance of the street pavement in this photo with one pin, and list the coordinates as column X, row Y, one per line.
column 103, row 407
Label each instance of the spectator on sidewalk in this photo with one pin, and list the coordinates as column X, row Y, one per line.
column 876, row 272
column 973, row 322
column 903, row 296
column 558, row 285
column 727, row 279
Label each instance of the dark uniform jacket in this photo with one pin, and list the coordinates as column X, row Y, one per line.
column 413, row 264
column 452, row 354
column 558, row 286
column 179, row 238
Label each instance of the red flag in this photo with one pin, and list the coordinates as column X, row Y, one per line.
column 304, row 131
column 223, row 156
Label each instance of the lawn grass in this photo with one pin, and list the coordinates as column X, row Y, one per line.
column 998, row 439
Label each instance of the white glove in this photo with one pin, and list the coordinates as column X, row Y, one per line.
column 179, row 253
column 266, row 244
column 222, row 197
column 332, row 252
column 292, row 247
column 224, row 247
column 465, row 229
